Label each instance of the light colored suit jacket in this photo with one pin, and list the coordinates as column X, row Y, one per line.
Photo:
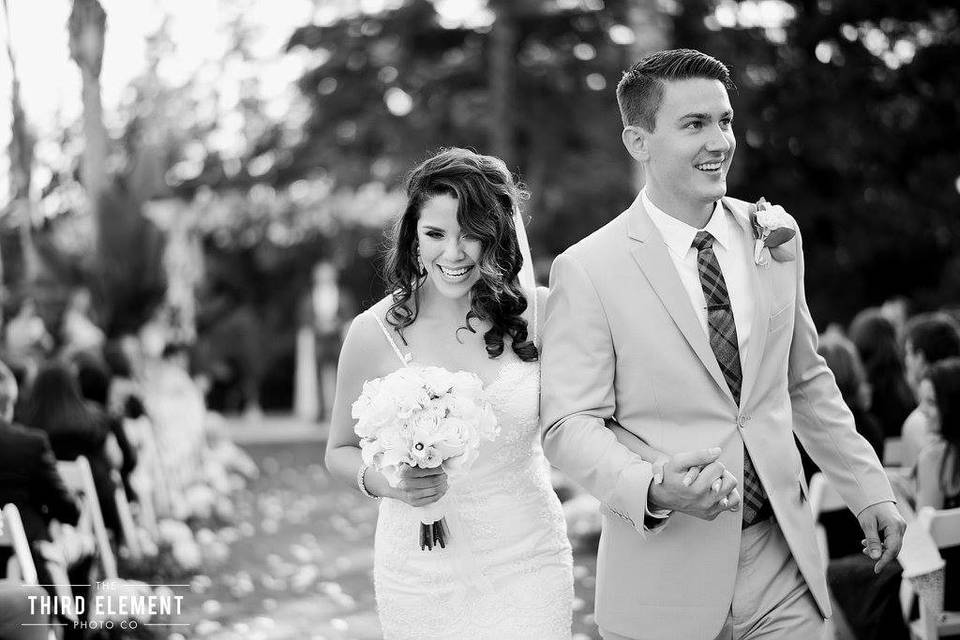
column 622, row 341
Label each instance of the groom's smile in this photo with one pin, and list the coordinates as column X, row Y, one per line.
column 711, row 167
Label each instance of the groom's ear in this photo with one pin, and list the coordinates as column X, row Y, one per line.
column 635, row 139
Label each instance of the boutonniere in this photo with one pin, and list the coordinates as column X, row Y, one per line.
column 771, row 229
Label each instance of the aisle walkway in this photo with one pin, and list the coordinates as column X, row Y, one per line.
column 301, row 566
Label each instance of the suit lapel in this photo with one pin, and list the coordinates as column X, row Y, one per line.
column 760, row 290
column 652, row 255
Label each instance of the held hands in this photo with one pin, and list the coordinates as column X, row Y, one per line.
column 695, row 483
column 420, row 487
column 883, row 527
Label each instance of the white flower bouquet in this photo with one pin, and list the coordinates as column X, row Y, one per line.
column 425, row 417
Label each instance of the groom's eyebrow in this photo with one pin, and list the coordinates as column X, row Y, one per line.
column 705, row 116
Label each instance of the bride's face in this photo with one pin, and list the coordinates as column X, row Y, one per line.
column 449, row 257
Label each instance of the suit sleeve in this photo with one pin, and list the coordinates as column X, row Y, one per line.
column 50, row 489
column 577, row 397
column 821, row 419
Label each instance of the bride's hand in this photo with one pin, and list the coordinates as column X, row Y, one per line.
column 420, row 487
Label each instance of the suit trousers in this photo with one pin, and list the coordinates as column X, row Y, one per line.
column 771, row 600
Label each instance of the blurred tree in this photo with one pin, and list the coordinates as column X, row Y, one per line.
column 847, row 116
column 502, row 79
column 123, row 266
column 20, row 208
column 844, row 115
column 87, row 28
column 530, row 79
column 651, row 30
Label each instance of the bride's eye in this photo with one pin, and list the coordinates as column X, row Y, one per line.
column 436, row 235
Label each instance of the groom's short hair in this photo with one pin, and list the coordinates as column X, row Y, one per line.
column 640, row 90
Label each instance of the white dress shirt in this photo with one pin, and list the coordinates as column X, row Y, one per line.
column 730, row 247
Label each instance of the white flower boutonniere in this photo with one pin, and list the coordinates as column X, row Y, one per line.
column 771, row 228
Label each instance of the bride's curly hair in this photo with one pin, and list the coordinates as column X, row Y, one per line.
column 486, row 195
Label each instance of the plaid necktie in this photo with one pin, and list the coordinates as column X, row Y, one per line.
column 723, row 341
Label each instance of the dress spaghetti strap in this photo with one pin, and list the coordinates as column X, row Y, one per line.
column 536, row 340
column 386, row 334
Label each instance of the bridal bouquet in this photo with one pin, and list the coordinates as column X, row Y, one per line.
column 425, row 417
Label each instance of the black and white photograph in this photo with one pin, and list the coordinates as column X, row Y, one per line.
column 479, row 320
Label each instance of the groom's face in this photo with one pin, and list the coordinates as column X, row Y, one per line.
column 688, row 153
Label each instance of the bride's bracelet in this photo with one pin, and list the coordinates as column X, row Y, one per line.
column 363, row 487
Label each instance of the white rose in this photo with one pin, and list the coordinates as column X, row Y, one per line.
column 380, row 412
column 464, row 383
column 772, row 217
column 461, row 407
column 436, row 380
column 455, row 435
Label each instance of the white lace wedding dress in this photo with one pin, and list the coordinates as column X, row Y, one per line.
column 507, row 571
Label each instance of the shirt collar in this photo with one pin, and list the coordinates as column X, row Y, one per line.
column 678, row 235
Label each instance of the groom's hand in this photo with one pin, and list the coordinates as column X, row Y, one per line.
column 883, row 527
column 695, row 483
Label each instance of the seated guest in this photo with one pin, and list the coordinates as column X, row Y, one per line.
column 56, row 407
column 876, row 340
column 869, row 602
column 16, row 621
column 124, row 397
column 843, row 530
column 29, row 480
column 28, row 472
column 928, row 339
column 938, row 465
column 93, row 377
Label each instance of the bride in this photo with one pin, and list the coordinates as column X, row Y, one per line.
column 455, row 267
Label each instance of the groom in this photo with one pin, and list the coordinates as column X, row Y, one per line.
column 664, row 332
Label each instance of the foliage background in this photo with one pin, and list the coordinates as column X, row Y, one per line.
column 847, row 114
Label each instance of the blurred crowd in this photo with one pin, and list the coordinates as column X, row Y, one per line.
column 109, row 461
column 900, row 376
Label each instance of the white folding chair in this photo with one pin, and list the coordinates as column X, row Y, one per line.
column 823, row 498
column 945, row 531
column 151, row 479
column 893, row 452
column 131, row 538
column 78, row 477
column 146, row 477
column 128, row 529
column 21, row 567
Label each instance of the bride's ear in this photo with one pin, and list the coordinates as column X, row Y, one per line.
column 635, row 140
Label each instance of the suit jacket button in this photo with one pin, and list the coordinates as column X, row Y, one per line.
column 742, row 421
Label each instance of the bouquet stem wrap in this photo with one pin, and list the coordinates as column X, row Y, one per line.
column 434, row 530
